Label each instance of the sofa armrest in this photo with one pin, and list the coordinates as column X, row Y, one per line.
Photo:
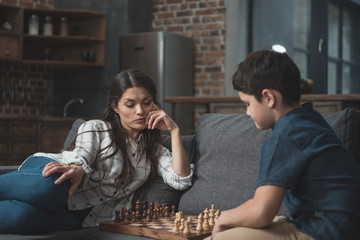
column 6, row 169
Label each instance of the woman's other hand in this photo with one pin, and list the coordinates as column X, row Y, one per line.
column 72, row 172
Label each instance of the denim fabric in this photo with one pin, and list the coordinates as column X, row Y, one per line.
column 30, row 203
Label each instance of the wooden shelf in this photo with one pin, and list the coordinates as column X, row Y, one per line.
column 53, row 63
column 86, row 34
column 324, row 103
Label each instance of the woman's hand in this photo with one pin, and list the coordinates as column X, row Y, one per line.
column 160, row 120
column 72, row 172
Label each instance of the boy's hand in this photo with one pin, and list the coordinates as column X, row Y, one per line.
column 72, row 172
column 219, row 227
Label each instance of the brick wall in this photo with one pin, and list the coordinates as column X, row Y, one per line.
column 204, row 21
column 25, row 90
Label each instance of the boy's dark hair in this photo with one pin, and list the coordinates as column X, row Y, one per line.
column 265, row 69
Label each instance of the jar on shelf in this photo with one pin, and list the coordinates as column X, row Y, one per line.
column 64, row 26
column 34, row 24
column 48, row 26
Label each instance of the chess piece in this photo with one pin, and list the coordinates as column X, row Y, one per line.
column 144, row 216
column 199, row 227
column 217, row 214
column 166, row 211
column 149, row 216
column 126, row 220
column 176, row 226
column 117, row 216
column 186, row 227
column 212, row 221
column 212, row 211
column 156, row 213
column 145, row 205
column 133, row 217
column 182, row 224
column 123, row 210
column 173, row 210
column 137, row 208
column 206, row 225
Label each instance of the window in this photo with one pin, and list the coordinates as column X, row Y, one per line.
column 321, row 36
column 343, row 52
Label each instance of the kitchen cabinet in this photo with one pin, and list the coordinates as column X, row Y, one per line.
column 82, row 44
column 20, row 137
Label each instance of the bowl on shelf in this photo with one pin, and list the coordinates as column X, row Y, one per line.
column 306, row 85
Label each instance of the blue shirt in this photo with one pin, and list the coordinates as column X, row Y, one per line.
column 304, row 155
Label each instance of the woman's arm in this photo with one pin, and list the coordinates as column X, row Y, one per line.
column 73, row 165
column 160, row 120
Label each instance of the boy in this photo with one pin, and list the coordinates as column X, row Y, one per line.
column 302, row 162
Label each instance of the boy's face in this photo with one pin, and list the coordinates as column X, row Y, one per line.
column 258, row 111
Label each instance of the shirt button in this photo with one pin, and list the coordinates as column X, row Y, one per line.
column 101, row 199
column 133, row 154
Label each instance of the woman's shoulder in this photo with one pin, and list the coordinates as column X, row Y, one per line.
column 95, row 124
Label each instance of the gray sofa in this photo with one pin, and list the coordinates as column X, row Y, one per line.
column 226, row 152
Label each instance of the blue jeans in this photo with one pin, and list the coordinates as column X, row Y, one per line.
column 30, row 203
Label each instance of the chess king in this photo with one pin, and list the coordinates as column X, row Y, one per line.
column 110, row 158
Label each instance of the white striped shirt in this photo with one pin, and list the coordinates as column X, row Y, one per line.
column 93, row 137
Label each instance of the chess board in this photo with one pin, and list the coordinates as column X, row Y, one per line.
column 161, row 228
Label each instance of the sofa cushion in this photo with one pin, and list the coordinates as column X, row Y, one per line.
column 228, row 154
column 346, row 124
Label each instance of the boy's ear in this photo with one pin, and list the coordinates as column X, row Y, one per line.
column 269, row 97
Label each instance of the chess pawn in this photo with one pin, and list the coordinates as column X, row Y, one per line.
column 173, row 210
column 117, row 216
column 133, row 217
column 206, row 225
column 126, row 220
column 199, row 227
column 211, row 222
column 149, row 216
column 186, row 227
column 217, row 214
column 123, row 211
column 178, row 216
column 137, row 208
column 176, row 226
column 144, row 216
column 166, row 211
column 145, row 205
column 182, row 225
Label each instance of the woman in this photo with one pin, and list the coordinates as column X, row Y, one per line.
column 110, row 159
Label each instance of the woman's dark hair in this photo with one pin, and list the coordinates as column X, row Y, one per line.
column 266, row 69
column 151, row 139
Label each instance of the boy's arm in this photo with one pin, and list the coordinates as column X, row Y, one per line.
column 257, row 212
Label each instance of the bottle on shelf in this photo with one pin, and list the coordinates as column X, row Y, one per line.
column 64, row 26
column 48, row 26
column 34, row 24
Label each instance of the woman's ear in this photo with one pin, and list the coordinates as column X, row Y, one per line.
column 269, row 97
column 115, row 109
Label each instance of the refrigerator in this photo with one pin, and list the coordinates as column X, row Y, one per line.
column 168, row 59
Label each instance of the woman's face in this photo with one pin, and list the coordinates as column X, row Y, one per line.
column 133, row 108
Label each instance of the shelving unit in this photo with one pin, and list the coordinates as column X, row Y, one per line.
column 86, row 33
